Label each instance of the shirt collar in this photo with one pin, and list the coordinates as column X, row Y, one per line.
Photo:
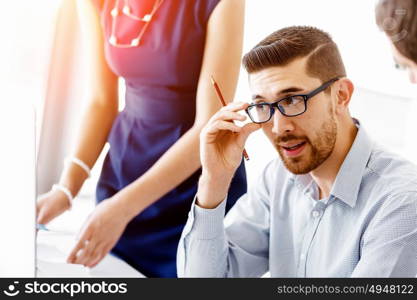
column 349, row 177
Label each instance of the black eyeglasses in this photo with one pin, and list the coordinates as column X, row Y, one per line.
column 290, row 106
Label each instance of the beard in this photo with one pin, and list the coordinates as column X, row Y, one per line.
column 321, row 148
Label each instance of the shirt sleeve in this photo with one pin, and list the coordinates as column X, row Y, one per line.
column 389, row 246
column 235, row 246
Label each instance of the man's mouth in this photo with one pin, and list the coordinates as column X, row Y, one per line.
column 294, row 149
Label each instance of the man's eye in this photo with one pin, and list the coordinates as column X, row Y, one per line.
column 289, row 101
column 262, row 107
column 292, row 101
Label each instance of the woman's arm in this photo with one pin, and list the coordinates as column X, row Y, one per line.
column 103, row 94
column 98, row 117
column 222, row 55
column 221, row 59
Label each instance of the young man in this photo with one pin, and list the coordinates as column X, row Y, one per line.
column 398, row 19
column 335, row 204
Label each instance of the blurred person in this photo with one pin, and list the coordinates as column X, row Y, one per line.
column 398, row 19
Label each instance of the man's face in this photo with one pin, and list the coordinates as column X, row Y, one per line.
column 305, row 141
column 405, row 63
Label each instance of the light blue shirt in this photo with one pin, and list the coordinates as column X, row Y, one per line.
column 367, row 227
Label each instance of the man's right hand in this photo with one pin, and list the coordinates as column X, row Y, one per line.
column 51, row 205
column 221, row 146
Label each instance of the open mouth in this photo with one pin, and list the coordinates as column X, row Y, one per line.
column 295, row 149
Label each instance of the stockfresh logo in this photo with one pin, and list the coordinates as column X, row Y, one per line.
column 12, row 290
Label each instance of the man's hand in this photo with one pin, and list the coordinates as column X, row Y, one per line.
column 221, row 146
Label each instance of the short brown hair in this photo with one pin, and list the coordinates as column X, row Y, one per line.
column 285, row 45
column 398, row 19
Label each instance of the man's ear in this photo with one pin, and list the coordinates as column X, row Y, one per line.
column 344, row 90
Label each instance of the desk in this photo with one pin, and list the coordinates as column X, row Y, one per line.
column 53, row 248
column 54, row 245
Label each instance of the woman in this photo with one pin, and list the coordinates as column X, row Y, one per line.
column 166, row 52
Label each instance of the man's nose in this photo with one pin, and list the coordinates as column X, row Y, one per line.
column 281, row 124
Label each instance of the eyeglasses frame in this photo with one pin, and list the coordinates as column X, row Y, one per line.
column 306, row 97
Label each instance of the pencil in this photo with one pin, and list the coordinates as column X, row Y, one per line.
column 220, row 96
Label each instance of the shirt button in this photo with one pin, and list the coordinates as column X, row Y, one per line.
column 316, row 214
column 302, row 256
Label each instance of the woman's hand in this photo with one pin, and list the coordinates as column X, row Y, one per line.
column 100, row 233
column 51, row 205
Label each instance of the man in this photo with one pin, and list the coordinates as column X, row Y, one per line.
column 334, row 205
column 398, row 19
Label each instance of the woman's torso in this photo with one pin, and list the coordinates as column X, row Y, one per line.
column 161, row 78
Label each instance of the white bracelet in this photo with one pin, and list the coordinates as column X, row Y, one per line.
column 79, row 163
column 65, row 190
